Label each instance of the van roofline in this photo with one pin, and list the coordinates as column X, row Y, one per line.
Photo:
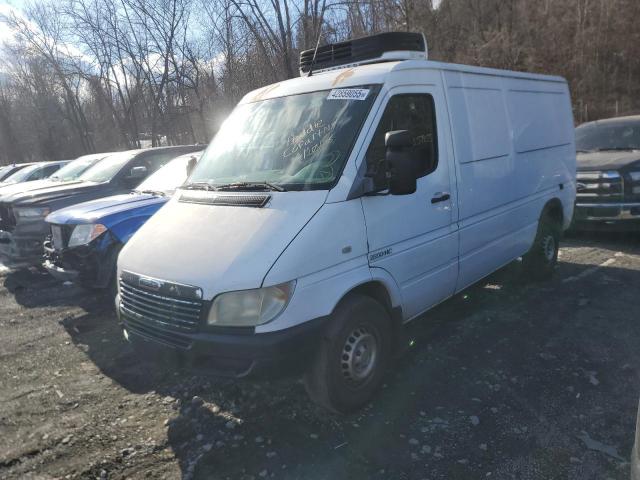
column 494, row 72
column 377, row 73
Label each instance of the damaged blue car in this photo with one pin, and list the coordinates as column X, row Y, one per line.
column 86, row 238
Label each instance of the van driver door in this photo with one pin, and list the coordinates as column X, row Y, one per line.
column 414, row 237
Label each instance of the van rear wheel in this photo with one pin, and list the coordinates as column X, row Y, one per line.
column 354, row 355
column 540, row 261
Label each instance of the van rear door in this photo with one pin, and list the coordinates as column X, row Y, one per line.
column 414, row 237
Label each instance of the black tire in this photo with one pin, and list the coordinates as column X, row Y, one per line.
column 354, row 355
column 540, row 261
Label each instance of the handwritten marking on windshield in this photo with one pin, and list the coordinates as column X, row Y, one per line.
column 421, row 140
column 309, row 140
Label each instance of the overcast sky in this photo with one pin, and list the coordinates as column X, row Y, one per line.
column 4, row 4
column 5, row 8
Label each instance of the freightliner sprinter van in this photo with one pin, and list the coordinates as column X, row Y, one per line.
column 332, row 209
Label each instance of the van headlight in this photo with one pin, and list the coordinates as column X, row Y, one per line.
column 32, row 213
column 85, row 233
column 248, row 308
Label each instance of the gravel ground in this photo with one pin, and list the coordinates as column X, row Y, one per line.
column 507, row 380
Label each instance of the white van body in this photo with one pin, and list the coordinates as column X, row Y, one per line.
column 505, row 155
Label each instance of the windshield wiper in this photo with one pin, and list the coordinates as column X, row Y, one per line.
column 199, row 186
column 152, row 192
column 251, row 186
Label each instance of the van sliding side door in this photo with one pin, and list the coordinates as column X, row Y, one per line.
column 414, row 237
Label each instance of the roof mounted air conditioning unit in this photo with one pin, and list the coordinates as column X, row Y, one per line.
column 383, row 47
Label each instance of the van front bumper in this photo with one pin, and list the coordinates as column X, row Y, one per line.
column 624, row 215
column 227, row 351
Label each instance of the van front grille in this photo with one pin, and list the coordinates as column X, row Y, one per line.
column 156, row 312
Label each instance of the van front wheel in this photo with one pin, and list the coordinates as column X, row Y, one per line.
column 540, row 261
column 354, row 355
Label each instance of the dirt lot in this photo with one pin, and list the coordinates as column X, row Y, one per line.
column 508, row 380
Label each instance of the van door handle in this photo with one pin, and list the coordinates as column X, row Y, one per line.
column 440, row 197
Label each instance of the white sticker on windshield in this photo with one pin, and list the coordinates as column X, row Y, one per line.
column 348, row 94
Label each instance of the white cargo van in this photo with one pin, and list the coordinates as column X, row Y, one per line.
column 333, row 208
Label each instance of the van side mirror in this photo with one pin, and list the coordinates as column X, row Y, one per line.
column 401, row 162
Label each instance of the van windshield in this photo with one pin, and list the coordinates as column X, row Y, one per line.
column 298, row 142
column 609, row 136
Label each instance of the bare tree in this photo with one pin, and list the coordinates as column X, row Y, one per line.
column 274, row 38
column 41, row 34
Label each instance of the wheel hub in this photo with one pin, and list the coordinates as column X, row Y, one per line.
column 549, row 247
column 359, row 355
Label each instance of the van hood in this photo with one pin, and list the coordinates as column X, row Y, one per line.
column 17, row 188
column 607, row 160
column 218, row 248
column 105, row 210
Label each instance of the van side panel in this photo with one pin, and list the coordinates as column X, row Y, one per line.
column 513, row 138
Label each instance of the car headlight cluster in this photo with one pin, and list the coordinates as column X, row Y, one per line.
column 31, row 213
column 83, row 234
column 248, row 308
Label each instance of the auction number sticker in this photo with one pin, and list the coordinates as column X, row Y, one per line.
column 348, row 94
